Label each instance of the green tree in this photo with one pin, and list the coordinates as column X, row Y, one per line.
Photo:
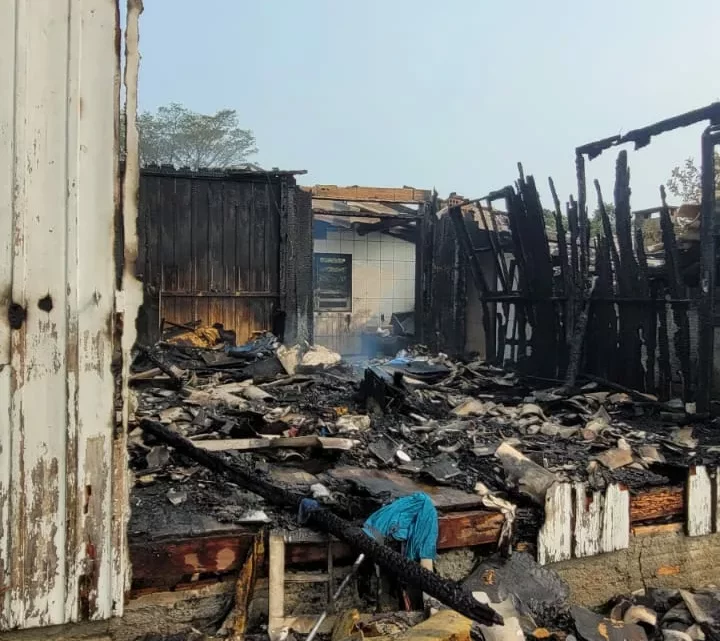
column 177, row 136
column 684, row 182
column 595, row 221
column 596, row 226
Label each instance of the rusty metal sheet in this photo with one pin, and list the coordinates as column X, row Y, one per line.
column 58, row 445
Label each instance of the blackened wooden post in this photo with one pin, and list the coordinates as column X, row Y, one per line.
column 583, row 226
column 706, row 338
column 607, row 230
column 463, row 238
column 650, row 324
column 630, row 349
column 566, row 305
column 561, row 240
column 677, row 291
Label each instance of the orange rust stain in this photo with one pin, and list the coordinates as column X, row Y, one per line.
column 541, row 633
column 225, row 557
column 192, row 560
column 488, row 577
column 603, row 631
column 667, row 570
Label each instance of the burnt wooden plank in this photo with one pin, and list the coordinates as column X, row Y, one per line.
column 259, row 237
column 677, row 290
column 468, row 529
column 650, row 315
column 166, row 563
column 708, row 269
column 665, row 375
column 630, row 319
column 229, row 215
column 272, row 253
column 215, row 238
column 183, row 233
column 544, row 318
column 168, row 276
column 242, row 239
column 561, row 241
column 200, row 206
column 582, row 218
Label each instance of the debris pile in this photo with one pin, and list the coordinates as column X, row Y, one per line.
column 299, row 413
column 535, row 603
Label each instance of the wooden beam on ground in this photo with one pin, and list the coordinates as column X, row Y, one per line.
column 371, row 194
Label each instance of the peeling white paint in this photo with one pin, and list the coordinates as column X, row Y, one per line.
column 555, row 537
column 699, row 502
column 615, row 533
column 60, row 557
column 578, row 524
column 588, row 518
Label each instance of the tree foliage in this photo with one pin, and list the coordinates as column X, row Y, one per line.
column 595, row 221
column 596, row 226
column 177, row 136
column 684, row 182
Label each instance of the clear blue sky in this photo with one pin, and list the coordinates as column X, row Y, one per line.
column 440, row 94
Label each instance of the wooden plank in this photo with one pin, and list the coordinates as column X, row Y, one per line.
column 588, row 512
column 555, row 537
column 200, row 205
column 165, row 563
column 249, row 444
column 183, row 233
column 615, row 533
column 394, row 485
column 245, row 587
column 169, row 268
column 371, row 194
column 468, row 529
column 699, row 502
column 259, row 237
column 231, row 193
column 655, row 530
column 244, row 240
column 215, row 242
column 276, row 585
column 660, row 503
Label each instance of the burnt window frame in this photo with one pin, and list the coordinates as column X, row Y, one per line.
column 317, row 257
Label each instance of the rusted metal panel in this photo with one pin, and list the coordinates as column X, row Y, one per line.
column 58, row 122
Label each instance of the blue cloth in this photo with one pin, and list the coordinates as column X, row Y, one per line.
column 307, row 507
column 412, row 519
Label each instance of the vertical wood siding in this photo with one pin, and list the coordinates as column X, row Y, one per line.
column 210, row 250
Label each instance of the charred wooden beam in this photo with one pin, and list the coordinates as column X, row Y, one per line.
column 630, row 316
column 677, row 289
column 650, row 325
column 476, row 271
column 641, row 137
column 607, row 230
column 708, row 267
column 583, row 223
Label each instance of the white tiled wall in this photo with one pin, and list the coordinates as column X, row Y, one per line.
column 383, row 282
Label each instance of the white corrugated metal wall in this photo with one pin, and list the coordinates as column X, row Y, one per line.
column 62, row 461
